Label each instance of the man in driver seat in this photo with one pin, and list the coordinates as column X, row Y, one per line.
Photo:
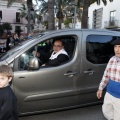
column 58, row 56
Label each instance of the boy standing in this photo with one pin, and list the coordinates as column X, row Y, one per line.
column 8, row 101
column 111, row 79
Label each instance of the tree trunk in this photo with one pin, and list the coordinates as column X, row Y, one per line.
column 60, row 14
column 29, row 5
column 86, row 5
column 51, row 19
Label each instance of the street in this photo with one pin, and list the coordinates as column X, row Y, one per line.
column 85, row 113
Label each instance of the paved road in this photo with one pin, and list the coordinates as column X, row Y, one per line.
column 86, row 113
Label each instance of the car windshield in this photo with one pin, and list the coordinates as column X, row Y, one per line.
column 15, row 49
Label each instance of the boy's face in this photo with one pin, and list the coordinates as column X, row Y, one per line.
column 4, row 81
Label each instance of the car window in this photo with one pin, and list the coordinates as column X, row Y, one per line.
column 45, row 49
column 99, row 48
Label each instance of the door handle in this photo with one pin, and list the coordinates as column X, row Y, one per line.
column 90, row 72
column 70, row 74
column 21, row 77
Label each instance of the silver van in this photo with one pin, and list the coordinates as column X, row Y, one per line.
column 71, row 84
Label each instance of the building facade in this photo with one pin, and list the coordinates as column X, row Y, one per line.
column 11, row 15
column 104, row 17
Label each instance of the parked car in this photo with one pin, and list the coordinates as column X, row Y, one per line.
column 74, row 83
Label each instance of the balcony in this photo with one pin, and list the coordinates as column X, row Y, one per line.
column 111, row 24
column 17, row 21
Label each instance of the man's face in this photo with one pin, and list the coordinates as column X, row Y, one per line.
column 117, row 50
column 57, row 46
column 4, row 81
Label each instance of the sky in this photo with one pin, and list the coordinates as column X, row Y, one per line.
column 38, row 2
column 35, row 2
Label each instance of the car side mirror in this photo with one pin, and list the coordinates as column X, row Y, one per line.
column 34, row 63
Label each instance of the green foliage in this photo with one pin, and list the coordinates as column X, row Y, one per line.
column 66, row 22
column 99, row 1
column 10, row 2
column 23, row 11
column 45, row 23
column 104, row 1
column 7, row 26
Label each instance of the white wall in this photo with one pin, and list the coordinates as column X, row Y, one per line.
column 111, row 6
column 9, row 15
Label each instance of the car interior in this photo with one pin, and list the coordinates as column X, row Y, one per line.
column 45, row 48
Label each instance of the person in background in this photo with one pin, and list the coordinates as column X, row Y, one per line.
column 8, row 100
column 8, row 42
column 111, row 79
column 58, row 56
column 30, row 35
column 22, row 38
column 16, row 39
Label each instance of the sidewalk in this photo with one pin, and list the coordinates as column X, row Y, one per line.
column 3, row 40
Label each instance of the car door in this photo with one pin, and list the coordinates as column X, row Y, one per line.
column 96, row 51
column 47, row 88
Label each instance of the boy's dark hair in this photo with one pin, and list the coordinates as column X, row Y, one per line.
column 6, row 71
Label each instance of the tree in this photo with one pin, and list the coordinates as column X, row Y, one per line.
column 50, row 5
column 23, row 11
column 51, row 20
column 72, row 10
column 60, row 5
column 60, row 13
column 57, row 5
column 24, row 14
column 7, row 26
column 29, row 6
column 84, row 22
column 67, row 22
column 86, row 4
